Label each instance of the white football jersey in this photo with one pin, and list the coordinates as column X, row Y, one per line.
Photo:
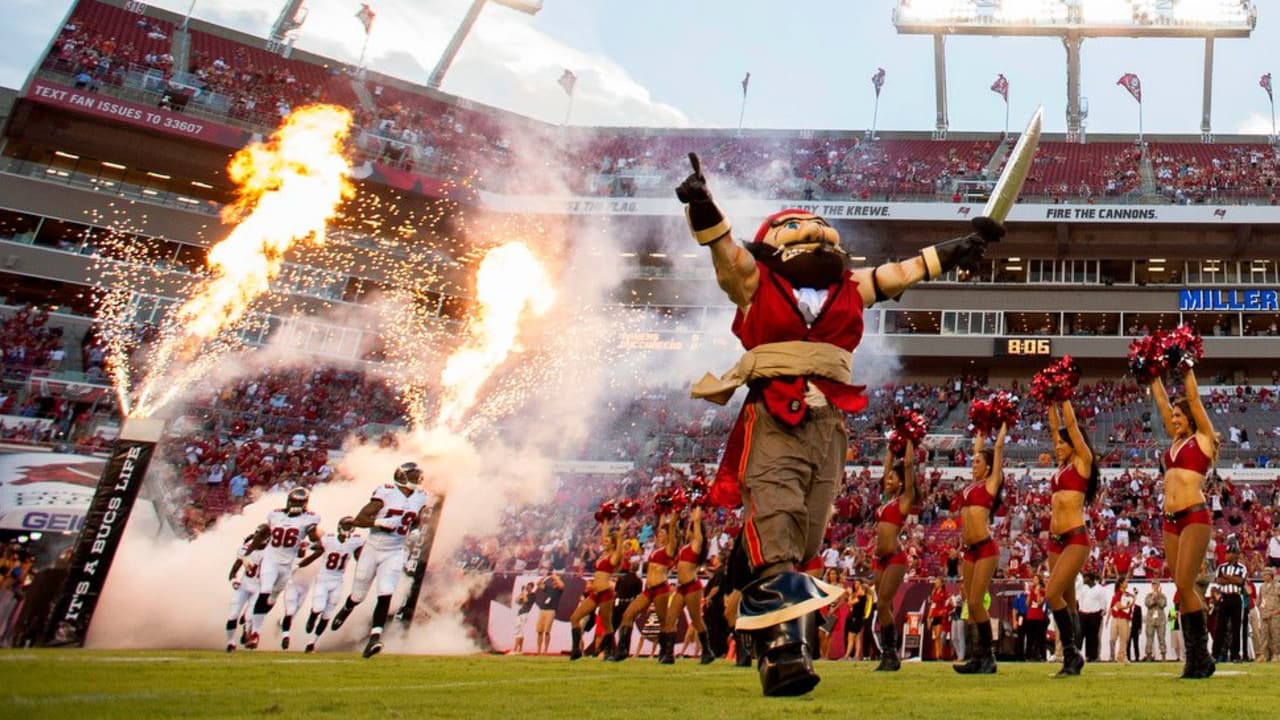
column 333, row 561
column 250, row 565
column 397, row 510
column 287, row 533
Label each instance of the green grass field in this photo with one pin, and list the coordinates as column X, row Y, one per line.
column 143, row 685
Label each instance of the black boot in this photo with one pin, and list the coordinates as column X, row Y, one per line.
column 889, row 660
column 704, row 642
column 667, row 648
column 575, row 650
column 622, row 650
column 779, row 611
column 786, row 657
column 982, row 661
column 606, row 647
column 741, row 649
column 1195, row 632
column 1072, row 660
column 970, row 640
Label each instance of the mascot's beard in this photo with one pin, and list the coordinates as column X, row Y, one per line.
column 817, row 269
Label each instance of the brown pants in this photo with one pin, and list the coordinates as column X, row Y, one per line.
column 791, row 478
column 1267, row 641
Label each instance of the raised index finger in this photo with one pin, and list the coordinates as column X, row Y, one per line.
column 696, row 163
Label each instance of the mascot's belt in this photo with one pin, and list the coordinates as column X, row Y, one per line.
column 793, row 358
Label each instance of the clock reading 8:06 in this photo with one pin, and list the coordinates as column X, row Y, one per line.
column 1024, row 346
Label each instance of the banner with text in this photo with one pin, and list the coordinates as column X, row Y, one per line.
column 104, row 524
column 46, row 492
column 894, row 211
column 125, row 111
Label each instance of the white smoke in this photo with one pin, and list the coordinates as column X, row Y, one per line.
column 543, row 405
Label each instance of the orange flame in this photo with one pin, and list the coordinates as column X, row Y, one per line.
column 509, row 282
column 289, row 188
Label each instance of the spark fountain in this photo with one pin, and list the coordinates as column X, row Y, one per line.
column 289, row 188
column 510, row 285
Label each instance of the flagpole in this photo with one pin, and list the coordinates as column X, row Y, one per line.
column 1273, row 116
column 364, row 49
column 743, row 112
column 1006, row 116
column 567, row 110
column 1140, row 122
column 875, row 116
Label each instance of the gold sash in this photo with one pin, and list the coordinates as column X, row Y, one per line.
column 791, row 358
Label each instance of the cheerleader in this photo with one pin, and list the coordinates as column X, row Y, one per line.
column 898, row 487
column 656, row 593
column 600, row 591
column 1073, row 487
column 1188, row 524
column 688, row 595
column 978, row 502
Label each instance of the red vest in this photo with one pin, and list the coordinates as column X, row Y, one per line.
column 775, row 316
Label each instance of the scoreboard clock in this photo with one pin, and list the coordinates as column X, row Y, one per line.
column 1032, row 346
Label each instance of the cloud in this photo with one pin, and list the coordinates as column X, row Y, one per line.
column 1255, row 124
column 506, row 61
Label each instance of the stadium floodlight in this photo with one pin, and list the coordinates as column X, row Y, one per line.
column 530, row 7
column 1073, row 21
column 1086, row 18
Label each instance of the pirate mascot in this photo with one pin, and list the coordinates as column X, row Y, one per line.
column 799, row 318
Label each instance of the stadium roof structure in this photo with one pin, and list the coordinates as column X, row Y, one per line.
column 1073, row 21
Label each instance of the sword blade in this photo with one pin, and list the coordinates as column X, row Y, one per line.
column 1005, row 192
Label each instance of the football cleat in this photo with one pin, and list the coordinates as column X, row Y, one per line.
column 339, row 618
column 284, row 643
column 374, row 647
column 252, row 644
column 310, row 648
column 231, row 647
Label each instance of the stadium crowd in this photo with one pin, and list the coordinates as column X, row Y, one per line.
column 414, row 131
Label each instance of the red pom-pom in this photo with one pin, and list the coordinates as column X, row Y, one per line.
column 628, row 509
column 1183, row 348
column 1147, row 360
column 606, row 512
column 662, row 503
column 698, row 492
column 1057, row 382
column 679, row 500
column 908, row 426
column 988, row 415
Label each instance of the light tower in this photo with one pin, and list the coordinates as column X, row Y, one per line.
column 530, row 7
column 285, row 29
column 1073, row 21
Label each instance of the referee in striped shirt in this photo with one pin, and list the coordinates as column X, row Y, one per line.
column 1231, row 579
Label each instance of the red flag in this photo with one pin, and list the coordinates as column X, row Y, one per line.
column 1265, row 83
column 1001, row 87
column 746, row 80
column 366, row 16
column 567, row 81
column 878, row 80
column 1130, row 82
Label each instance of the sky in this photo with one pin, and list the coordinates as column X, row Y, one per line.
column 680, row 63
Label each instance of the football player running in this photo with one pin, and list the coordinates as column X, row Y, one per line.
column 296, row 591
column 244, row 576
column 280, row 539
column 333, row 553
column 390, row 515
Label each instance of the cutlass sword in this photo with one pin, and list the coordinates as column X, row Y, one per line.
column 1005, row 192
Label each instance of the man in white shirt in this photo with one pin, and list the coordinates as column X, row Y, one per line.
column 1273, row 549
column 1094, row 600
